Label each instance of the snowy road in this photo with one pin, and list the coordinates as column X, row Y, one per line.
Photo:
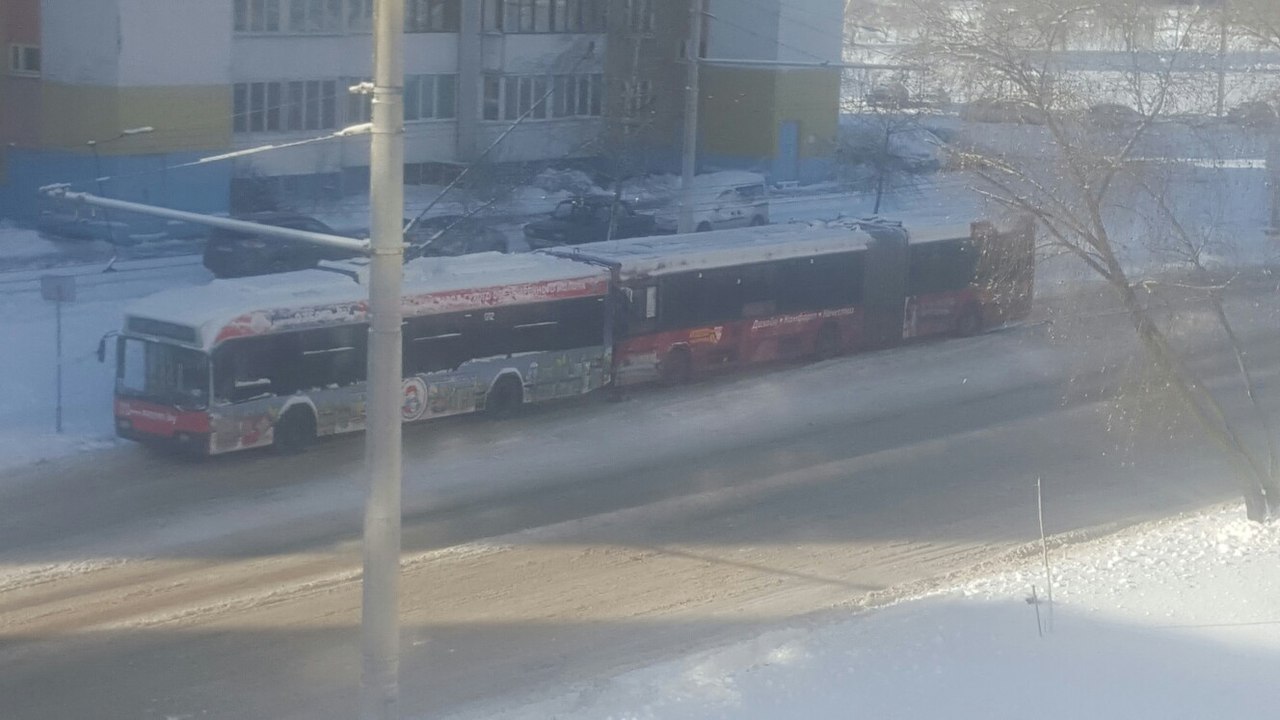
column 576, row 541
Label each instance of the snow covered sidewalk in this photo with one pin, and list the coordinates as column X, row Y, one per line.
column 1173, row 619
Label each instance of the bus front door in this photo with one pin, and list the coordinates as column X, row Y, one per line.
column 1006, row 271
column 884, row 289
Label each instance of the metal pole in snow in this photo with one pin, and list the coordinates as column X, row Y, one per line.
column 58, row 289
column 379, row 619
column 693, row 55
column 58, row 314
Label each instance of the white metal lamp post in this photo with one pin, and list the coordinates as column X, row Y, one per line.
column 100, row 181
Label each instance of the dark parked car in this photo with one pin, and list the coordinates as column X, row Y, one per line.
column 585, row 219
column 1113, row 116
column 992, row 110
column 233, row 254
column 1256, row 113
column 449, row 235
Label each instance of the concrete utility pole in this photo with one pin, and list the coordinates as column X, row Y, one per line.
column 380, row 611
column 1223, row 41
column 693, row 55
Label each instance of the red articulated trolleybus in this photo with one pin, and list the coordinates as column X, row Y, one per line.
column 713, row 300
column 280, row 359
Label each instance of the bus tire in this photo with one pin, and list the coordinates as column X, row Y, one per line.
column 703, row 226
column 505, row 397
column 969, row 323
column 757, row 221
column 827, row 344
column 676, row 368
column 295, row 431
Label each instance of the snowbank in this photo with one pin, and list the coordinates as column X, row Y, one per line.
column 1175, row 619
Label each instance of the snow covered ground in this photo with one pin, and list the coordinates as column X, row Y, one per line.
column 1174, row 619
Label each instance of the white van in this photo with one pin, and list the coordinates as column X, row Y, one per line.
column 723, row 200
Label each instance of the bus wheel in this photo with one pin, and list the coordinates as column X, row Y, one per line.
column 703, row 226
column 970, row 322
column 676, row 368
column 827, row 344
column 757, row 221
column 295, row 431
column 504, row 398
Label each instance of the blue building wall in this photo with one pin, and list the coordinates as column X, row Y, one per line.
column 152, row 179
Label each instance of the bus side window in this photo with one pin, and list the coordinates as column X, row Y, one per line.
column 758, row 291
column 249, row 368
column 642, row 311
column 332, row 356
column 432, row 344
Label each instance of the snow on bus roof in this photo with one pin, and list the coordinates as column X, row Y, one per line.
column 665, row 254
column 307, row 298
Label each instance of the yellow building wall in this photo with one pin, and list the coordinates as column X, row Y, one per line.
column 185, row 118
column 742, row 109
column 812, row 97
column 737, row 114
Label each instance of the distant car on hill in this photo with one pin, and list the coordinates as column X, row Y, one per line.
column 233, row 254
column 452, row 235
column 723, row 200
column 585, row 219
column 228, row 253
column 1112, row 116
column 1257, row 113
column 991, row 110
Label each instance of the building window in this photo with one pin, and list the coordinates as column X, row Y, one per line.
column 285, row 106
column 315, row 16
column 430, row 97
column 525, row 94
column 492, row 97
column 24, row 59
column 543, row 16
column 637, row 96
column 640, row 16
column 542, row 97
column 360, row 16
column 432, row 16
column 255, row 16
column 331, row 17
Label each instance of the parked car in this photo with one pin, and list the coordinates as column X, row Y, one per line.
column 585, row 219
column 234, row 254
column 1257, row 113
column 892, row 95
column 451, row 235
column 723, row 200
column 1112, row 116
column 991, row 110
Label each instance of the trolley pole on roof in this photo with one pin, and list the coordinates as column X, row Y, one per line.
column 692, row 55
column 380, row 613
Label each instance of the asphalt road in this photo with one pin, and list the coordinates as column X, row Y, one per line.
column 558, row 548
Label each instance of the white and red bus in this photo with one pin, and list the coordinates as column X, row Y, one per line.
column 280, row 360
column 715, row 300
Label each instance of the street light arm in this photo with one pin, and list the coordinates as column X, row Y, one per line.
column 61, row 192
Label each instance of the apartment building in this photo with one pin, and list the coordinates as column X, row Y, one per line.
column 127, row 97
column 769, row 84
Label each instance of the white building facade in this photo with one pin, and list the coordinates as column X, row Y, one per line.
column 214, row 76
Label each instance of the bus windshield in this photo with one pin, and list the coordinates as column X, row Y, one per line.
column 162, row 373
